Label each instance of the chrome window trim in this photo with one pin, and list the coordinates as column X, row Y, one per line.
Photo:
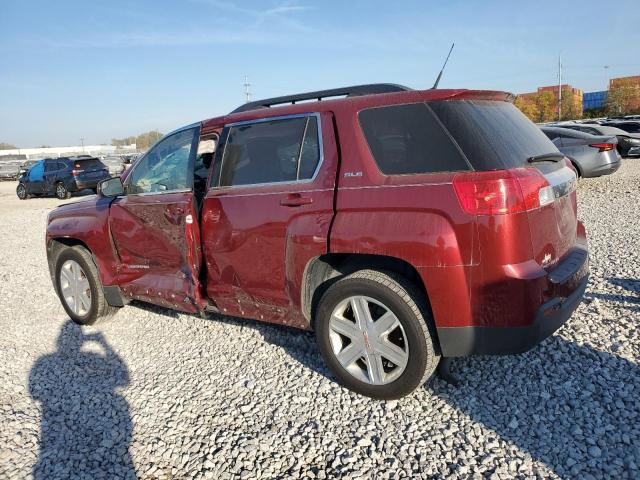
column 270, row 119
column 196, row 125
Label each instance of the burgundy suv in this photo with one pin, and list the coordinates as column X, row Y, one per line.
column 402, row 226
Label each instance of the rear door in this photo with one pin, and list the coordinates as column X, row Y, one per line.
column 50, row 175
column 154, row 226
column 496, row 135
column 268, row 212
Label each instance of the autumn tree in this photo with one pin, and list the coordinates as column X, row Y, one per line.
column 7, row 146
column 547, row 106
column 528, row 107
column 142, row 141
column 571, row 107
column 623, row 99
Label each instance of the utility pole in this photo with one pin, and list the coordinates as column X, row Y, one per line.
column 82, row 142
column 247, row 91
column 559, row 88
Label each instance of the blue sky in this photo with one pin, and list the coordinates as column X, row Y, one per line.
column 104, row 69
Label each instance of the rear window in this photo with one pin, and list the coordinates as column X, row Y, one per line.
column 89, row 163
column 493, row 135
column 451, row 136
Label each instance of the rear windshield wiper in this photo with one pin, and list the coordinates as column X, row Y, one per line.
column 546, row 157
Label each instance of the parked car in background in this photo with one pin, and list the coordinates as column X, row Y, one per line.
column 9, row 170
column 628, row 143
column 61, row 176
column 627, row 126
column 591, row 155
column 130, row 158
column 115, row 165
column 401, row 225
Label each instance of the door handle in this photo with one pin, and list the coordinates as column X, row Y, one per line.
column 173, row 213
column 295, row 200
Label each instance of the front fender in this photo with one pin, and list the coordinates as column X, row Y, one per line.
column 87, row 222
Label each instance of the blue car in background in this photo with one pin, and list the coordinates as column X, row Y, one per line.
column 61, row 177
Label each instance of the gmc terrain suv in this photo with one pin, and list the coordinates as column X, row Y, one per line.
column 402, row 226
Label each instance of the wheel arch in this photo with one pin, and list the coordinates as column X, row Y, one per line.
column 322, row 271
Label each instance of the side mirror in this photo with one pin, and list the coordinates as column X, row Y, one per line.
column 111, row 187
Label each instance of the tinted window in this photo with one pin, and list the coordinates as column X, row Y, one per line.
column 269, row 152
column 166, row 166
column 50, row 166
column 629, row 127
column 492, row 134
column 406, row 139
column 61, row 166
column 88, row 164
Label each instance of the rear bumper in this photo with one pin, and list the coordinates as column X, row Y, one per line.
column 569, row 279
column 79, row 185
column 604, row 169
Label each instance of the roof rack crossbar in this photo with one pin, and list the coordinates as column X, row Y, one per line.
column 354, row 91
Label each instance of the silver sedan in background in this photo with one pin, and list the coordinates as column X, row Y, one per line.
column 591, row 155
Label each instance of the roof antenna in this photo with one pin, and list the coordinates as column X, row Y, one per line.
column 435, row 85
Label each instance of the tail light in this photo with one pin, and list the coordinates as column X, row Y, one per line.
column 76, row 170
column 603, row 147
column 502, row 191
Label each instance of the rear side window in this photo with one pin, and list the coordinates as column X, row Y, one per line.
column 492, row 134
column 274, row 151
column 409, row 139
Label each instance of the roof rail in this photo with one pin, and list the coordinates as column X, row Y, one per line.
column 354, row 91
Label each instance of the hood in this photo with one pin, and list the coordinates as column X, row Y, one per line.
column 90, row 203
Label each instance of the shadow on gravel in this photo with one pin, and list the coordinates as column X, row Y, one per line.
column 569, row 406
column 86, row 429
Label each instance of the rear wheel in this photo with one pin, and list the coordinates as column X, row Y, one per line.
column 21, row 191
column 79, row 288
column 61, row 191
column 373, row 333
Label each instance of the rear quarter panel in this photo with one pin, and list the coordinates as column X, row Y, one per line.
column 415, row 218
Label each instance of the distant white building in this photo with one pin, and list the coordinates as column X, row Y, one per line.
column 48, row 152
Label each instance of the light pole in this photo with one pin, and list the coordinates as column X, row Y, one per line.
column 82, row 142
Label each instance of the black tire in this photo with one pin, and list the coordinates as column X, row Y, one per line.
column 99, row 309
column 21, row 192
column 61, row 191
column 408, row 304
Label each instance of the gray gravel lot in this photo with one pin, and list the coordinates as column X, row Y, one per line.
column 155, row 394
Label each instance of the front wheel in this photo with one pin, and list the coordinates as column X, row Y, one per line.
column 79, row 288
column 21, row 191
column 373, row 333
column 61, row 192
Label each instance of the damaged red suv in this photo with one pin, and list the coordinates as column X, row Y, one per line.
column 402, row 226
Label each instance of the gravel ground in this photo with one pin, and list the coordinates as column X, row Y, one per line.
column 155, row 394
